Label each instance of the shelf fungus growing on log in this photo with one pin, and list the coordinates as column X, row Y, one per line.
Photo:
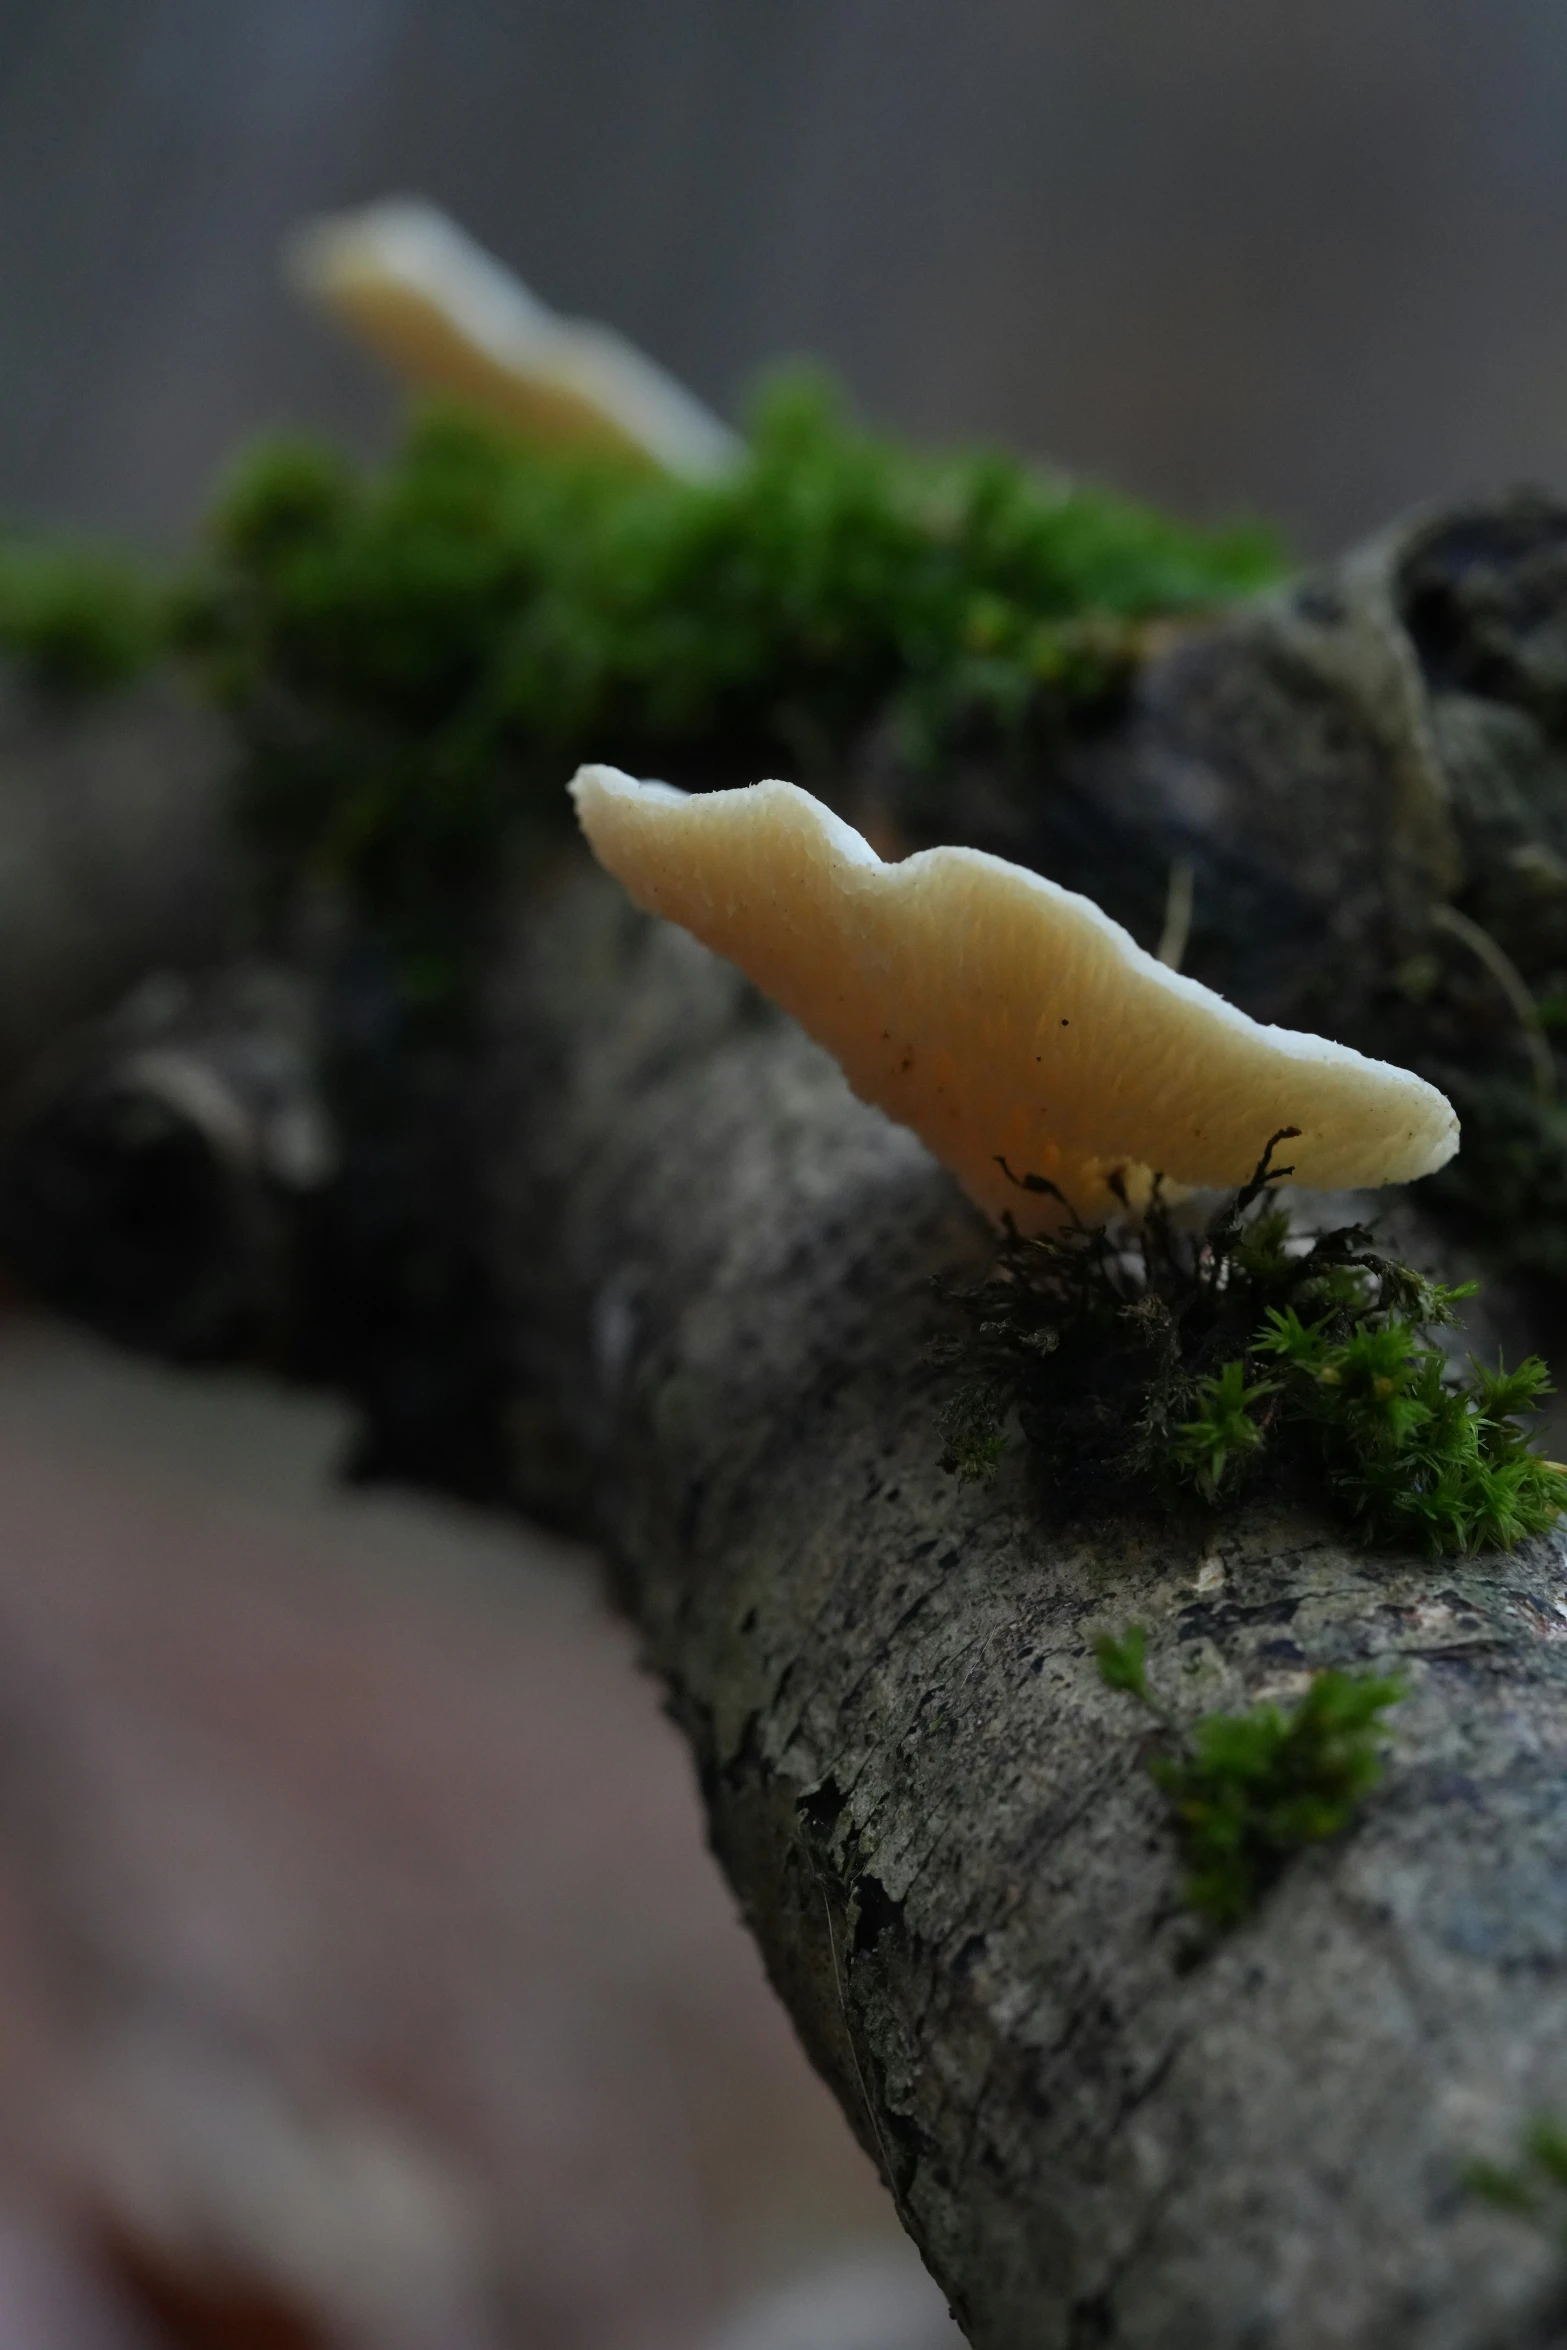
column 1015, row 1027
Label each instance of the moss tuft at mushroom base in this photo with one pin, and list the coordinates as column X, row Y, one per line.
column 1180, row 1364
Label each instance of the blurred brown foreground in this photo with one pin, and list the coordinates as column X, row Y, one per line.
column 364, row 1979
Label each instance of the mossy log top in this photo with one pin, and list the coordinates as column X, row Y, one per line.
column 933, row 1812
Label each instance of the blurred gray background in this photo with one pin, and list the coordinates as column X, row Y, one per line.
column 1305, row 260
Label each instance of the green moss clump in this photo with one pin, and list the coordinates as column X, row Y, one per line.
column 1183, row 1360
column 1534, row 2187
column 1246, row 1791
column 76, row 620
column 1415, row 1454
column 417, row 662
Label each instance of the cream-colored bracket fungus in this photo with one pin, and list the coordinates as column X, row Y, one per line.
column 448, row 315
column 1000, row 1016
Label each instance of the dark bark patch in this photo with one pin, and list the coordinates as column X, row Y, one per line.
column 877, row 1914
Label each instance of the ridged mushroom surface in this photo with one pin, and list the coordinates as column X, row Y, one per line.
column 1001, row 1016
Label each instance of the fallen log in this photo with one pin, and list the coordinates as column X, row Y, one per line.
column 708, row 1271
column 932, row 1811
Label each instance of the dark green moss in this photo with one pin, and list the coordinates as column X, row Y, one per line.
column 418, row 661
column 1174, row 1360
column 1535, row 2186
column 75, row 619
column 1246, row 1791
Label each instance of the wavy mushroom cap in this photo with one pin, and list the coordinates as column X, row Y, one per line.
column 450, row 317
column 1001, row 1016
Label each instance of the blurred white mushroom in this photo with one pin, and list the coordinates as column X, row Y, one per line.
column 415, row 287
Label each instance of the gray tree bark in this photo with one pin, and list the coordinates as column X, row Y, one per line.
column 935, row 1817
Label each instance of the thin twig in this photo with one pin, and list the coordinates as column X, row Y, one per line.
column 1513, row 985
column 1179, row 894
column 854, row 2055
